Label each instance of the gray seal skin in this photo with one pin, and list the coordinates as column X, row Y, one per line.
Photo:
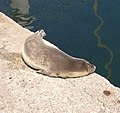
column 49, row 60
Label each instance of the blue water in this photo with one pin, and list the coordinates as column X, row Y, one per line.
column 89, row 29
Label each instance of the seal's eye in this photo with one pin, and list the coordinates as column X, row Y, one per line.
column 80, row 64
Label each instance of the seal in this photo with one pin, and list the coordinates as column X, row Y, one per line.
column 49, row 60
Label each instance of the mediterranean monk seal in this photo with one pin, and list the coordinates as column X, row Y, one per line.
column 49, row 60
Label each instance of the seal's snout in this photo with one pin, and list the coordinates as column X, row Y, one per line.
column 91, row 68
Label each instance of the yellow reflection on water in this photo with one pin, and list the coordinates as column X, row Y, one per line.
column 100, row 44
column 20, row 13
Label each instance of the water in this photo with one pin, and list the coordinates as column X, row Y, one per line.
column 89, row 29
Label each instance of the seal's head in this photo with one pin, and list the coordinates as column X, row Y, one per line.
column 80, row 67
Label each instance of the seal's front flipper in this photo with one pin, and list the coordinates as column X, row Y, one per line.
column 47, row 73
column 43, row 72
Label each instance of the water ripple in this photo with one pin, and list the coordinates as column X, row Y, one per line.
column 100, row 43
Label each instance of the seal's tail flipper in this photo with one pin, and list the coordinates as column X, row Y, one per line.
column 41, row 33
